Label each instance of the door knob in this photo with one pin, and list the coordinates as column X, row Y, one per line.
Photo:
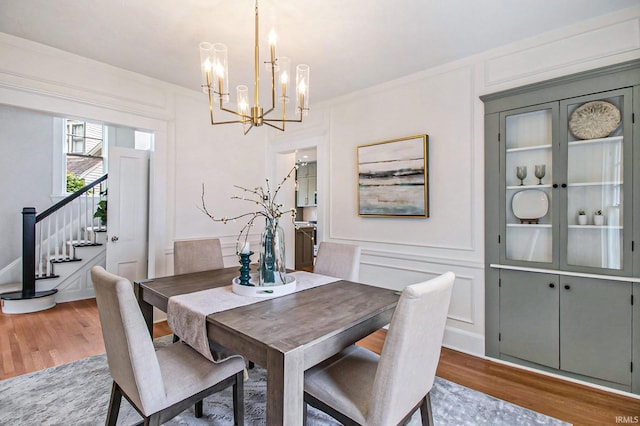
column 114, row 238
column 552, row 285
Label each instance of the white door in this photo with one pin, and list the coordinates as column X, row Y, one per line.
column 127, row 213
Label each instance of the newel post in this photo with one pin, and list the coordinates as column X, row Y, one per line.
column 28, row 252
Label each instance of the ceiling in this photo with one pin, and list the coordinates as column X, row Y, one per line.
column 349, row 45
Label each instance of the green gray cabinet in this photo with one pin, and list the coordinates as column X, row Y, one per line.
column 529, row 317
column 580, row 326
column 560, row 287
column 595, row 328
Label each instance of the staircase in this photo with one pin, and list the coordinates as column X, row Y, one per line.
column 59, row 247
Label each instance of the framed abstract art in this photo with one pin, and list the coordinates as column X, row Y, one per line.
column 393, row 178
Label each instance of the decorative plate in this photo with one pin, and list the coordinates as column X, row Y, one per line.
column 265, row 291
column 530, row 204
column 594, row 120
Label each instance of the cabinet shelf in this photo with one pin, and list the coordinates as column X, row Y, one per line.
column 535, row 186
column 529, row 225
column 596, row 227
column 607, row 183
column 529, row 148
column 612, row 139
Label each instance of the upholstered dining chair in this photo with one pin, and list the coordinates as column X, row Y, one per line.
column 338, row 260
column 197, row 255
column 358, row 387
column 158, row 384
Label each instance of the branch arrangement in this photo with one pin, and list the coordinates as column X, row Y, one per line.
column 265, row 201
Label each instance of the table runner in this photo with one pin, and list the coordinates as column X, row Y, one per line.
column 187, row 313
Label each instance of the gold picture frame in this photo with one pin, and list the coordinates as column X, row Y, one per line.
column 393, row 178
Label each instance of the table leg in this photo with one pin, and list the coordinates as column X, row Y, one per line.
column 145, row 307
column 285, row 387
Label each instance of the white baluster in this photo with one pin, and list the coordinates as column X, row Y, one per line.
column 70, row 241
column 69, row 248
column 93, row 219
column 39, row 247
column 48, row 252
column 63, row 231
column 79, row 227
column 56, row 244
column 86, row 216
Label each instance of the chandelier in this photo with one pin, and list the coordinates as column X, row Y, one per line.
column 215, row 83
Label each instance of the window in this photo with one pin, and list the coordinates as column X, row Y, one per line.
column 83, row 153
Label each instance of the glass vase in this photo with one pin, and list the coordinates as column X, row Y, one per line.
column 272, row 270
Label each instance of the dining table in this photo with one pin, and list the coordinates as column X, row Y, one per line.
column 287, row 334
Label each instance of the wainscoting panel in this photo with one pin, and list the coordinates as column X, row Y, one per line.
column 465, row 325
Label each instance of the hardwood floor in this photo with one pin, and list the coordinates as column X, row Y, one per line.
column 68, row 332
column 71, row 331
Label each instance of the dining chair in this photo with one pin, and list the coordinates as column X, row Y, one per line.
column 197, row 255
column 161, row 383
column 358, row 387
column 338, row 260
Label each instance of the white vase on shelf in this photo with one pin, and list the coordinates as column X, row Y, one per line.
column 598, row 219
column 582, row 219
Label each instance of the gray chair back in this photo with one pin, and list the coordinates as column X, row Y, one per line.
column 132, row 359
column 197, row 255
column 338, row 260
column 411, row 350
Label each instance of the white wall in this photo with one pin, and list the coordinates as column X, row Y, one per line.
column 219, row 158
column 443, row 103
column 24, row 135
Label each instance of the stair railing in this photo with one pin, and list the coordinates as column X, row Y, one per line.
column 51, row 236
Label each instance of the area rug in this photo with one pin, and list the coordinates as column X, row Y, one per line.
column 78, row 394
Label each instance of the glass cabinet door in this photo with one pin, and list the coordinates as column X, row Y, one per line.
column 528, row 215
column 597, row 182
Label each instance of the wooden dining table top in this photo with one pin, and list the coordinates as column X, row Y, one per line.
column 286, row 334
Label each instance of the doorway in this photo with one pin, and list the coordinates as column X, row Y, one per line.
column 306, row 197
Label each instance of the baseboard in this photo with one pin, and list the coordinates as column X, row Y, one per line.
column 560, row 377
column 463, row 341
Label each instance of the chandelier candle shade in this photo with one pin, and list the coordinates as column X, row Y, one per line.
column 215, row 83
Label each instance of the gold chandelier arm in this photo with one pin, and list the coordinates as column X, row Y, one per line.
column 246, row 130
column 284, row 120
column 244, row 116
column 274, row 126
column 213, row 122
column 256, row 82
column 278, row 120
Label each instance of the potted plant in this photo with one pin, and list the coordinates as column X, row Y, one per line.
column 598, row 218
column 101, row 212
column 582, row 217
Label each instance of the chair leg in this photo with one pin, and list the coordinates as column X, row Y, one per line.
column 152, row 420
column 238, row 399
column 114, row 405
column 426, row 412
column 198, row 409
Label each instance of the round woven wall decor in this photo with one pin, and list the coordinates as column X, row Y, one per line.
column 594, row 120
